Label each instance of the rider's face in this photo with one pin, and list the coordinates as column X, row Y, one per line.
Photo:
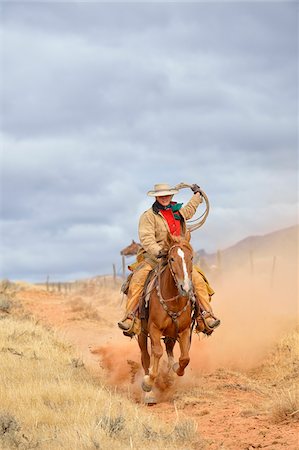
column 164, row 200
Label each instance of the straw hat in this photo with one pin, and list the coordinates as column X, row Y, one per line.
column 162, row 189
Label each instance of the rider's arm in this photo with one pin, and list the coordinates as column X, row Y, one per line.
column 147, row 234
column 189, row 210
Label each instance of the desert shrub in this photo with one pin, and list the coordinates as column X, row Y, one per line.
column 112, row 425
column 185, row 430
column 284, row 405
column 11, row 434
column 8, row 424
column 84, row 310
column 7, row 293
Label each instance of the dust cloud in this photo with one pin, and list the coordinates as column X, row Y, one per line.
column 257, row 304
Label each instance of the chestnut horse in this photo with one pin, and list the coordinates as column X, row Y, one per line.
column 171, row 306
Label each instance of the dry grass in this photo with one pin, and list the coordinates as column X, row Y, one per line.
column 281, row 370
column 49, row 401
column 281, row 367
column 7, row 293
column 84, row 310
column 283, row 363
column 284, row 405
column 285, row 359
column 275, row 380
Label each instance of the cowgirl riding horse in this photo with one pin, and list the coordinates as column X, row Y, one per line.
column 164, row 217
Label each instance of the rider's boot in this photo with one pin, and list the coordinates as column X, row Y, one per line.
column 126, row 323
column 134, row 294
column 206, row 323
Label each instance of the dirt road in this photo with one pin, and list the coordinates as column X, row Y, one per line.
column 229, row 404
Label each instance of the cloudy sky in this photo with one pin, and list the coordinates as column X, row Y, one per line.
column 101, row 101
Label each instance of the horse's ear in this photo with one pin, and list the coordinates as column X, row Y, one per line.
column 187, row 235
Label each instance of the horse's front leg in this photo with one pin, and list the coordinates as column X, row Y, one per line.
column 156, row 353
column 184, row 359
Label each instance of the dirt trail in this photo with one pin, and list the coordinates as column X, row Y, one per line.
column 228, row 405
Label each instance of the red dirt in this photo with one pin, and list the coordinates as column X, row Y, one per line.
column 227, row 405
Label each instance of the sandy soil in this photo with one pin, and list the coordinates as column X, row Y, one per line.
column 222, row 390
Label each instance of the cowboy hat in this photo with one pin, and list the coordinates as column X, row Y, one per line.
column 162, row 189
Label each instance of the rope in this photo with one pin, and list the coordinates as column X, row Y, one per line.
column 196, row 223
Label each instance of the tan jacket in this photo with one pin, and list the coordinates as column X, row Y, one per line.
column 153, row 229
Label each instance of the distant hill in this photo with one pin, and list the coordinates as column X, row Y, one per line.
column 282, row 244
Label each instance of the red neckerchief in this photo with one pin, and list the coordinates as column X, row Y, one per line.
column 174, row 225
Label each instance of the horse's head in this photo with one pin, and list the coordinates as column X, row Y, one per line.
column 180, row 256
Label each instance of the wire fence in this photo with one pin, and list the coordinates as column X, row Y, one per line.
column 215, row 268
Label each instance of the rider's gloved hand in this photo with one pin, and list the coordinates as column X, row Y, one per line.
column 162, row 254
column 195, row 188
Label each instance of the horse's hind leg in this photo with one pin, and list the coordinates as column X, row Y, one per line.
column 142, row 341
column 184, row 359
column 145, row 358
column 169, row 344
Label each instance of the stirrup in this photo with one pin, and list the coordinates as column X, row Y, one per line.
column 205, row 315
column 126, row 333
column 205, row 329
column 135, row 327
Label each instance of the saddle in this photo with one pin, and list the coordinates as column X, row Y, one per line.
column 142, row 309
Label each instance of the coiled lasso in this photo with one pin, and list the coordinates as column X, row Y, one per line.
column 194, row 224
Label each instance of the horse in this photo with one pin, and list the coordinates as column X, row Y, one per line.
column 171, row 314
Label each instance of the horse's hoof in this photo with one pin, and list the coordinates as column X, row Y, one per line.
column 175, row 367
column 149, row 399
column 146, row 387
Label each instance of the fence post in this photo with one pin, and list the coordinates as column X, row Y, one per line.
column 273, row 271
column 114, row 273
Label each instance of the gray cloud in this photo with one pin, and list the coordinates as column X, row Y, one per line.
column 102, row 101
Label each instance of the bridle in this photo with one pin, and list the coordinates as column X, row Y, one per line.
column 169, row 262
column 190, row 298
